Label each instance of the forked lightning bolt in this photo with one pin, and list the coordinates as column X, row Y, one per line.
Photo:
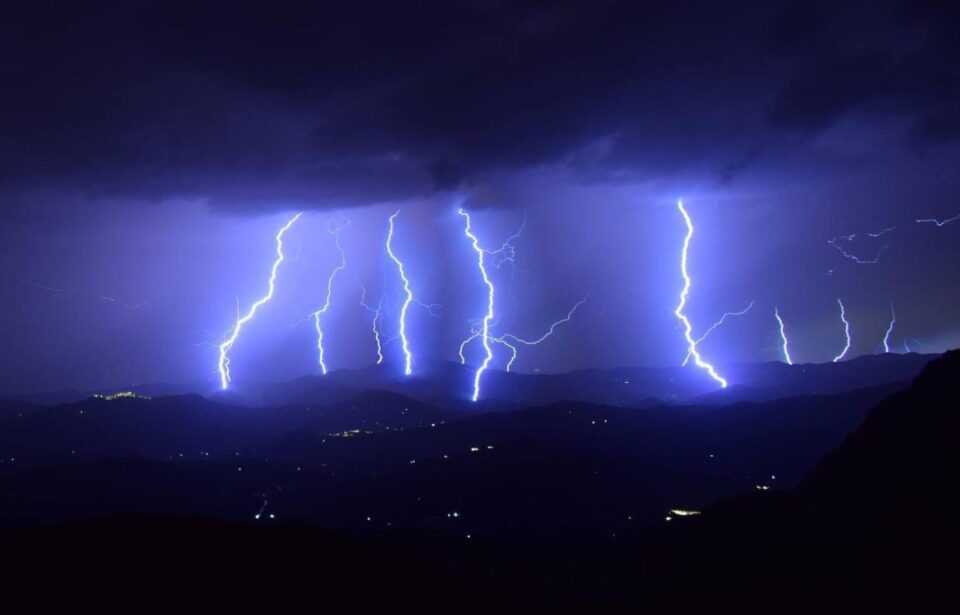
column 853, row 257
column 224, row 364
column 488, row 317
column 517, row 340
column 507, row 252
column 377, row 312
column 783, row 337
column 342, row 223
column 687, row 326
column 886, row 336
column 846, row 332
column 404, row 342
column 707, row 333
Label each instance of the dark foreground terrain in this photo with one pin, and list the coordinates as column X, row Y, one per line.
column 558, row 507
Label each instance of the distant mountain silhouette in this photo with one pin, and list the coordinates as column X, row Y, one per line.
column 446, row 385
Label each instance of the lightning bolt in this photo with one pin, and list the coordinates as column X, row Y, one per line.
column 515, row 339
column 95, row 295
column 886, row 336
column 853, row 257
column 404, row 342
column 939, row 223
column 687, row 326
column 714, row 326
column 889, row 229
column 377, row 313
column 846, row 329
column 783, row 337
column 488, row 317
column 342, row 223
column 507, row 252
column 224, row 364
column 550, row 331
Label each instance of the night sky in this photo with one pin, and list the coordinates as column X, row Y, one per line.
column 149, row 151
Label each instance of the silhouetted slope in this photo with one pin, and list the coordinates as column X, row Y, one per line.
column 871, row 528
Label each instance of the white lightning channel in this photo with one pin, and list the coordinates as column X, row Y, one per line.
column 886, row 336
column 342, row 223
column 687, row 326
column 783, row 337
column 488, row 317
column 846, row 330
column 853, row 257
column 714, row 326
column 939, row 223
column 404, row 342
column 224, row 364
column 377, row 313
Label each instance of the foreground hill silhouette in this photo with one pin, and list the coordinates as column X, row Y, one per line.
column 870, row 528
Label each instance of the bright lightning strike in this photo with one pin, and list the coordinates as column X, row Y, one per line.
column 886, row 336
column 714, row 326
column 224, row 364
column 939, row 223
column 783, row 337
column 846, row 330
column 377, row 314
column 687, row 326
column 488, row 317
column 342, row 223
column 404, row 342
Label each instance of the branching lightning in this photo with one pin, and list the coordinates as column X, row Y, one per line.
column 853, row 257
column 939, row 223
column 846, row 331
column 342, row 223
column 404, row 342
column 224, row 364
column 94, row 295
column 687, row 326
column 488, row 317
column 507, row 252
column 783, row 337
column 886, row 336
column 433, row 309
column 889, row 229
column 550, row 331
column 516, row 339
column 377, row 314
column 715, row 325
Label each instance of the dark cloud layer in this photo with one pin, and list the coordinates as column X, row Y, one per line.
column 257, row 105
